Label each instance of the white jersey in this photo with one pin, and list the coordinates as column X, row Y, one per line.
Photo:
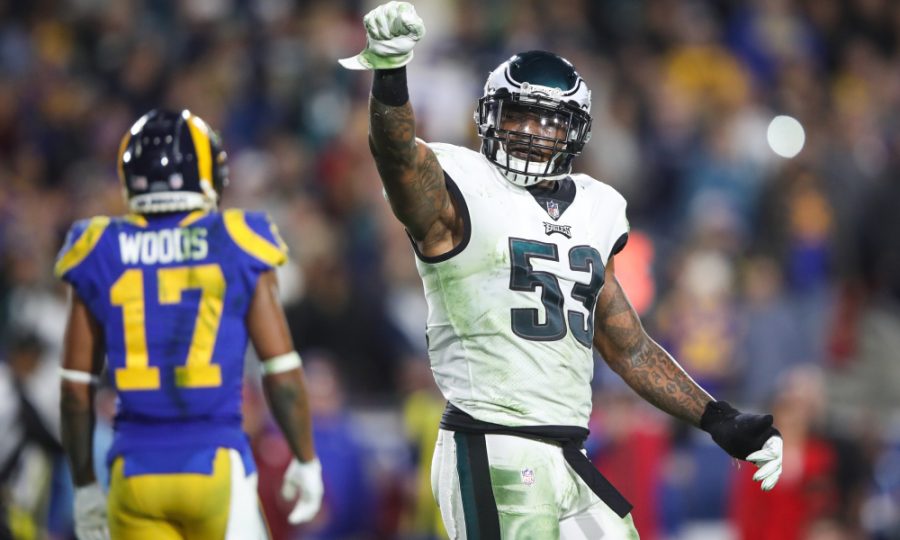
column 510, row 310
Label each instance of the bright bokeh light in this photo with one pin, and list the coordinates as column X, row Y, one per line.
column 785, row 136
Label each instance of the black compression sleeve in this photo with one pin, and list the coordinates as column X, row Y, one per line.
column 389, row 86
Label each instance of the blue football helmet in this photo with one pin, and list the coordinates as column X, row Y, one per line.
column 171, row 161
column 543, row 88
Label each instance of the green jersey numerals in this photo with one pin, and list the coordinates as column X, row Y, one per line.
column 523, row 277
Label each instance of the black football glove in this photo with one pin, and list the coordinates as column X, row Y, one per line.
column 750, row 437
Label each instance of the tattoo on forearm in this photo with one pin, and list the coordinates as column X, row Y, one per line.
column 416, row 190
column 393, row 131
column 641, row 362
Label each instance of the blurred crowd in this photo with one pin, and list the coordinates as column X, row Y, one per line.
column 774, row 281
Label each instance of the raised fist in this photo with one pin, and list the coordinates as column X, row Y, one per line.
column 392, row 30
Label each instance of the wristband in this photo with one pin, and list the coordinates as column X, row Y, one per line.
column 389, row 86
column 82, row 377
column 281, row 363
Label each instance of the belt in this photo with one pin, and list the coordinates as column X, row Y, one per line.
column 570, row 438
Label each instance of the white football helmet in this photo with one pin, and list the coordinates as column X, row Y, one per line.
column 542, row 90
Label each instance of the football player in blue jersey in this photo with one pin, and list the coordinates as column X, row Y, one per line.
column 170, row 294
column 516, row 253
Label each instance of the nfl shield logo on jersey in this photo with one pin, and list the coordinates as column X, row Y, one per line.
column 553, row 209
column 528, row 477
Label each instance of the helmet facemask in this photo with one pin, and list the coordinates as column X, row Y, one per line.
column 531, row 139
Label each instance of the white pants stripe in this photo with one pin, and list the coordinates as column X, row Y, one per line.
column 245, row 521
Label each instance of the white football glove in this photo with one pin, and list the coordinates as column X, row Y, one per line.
column 768, row 459
column 392, row 31
column 305, row 479
column 90, row 513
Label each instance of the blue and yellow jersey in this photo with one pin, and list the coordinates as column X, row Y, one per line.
column 171, row 293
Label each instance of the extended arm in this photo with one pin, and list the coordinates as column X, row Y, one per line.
column 410, row 172
column 412, row 177
column 656, row 376
column 81, row 363
column 641, row 362
column 285, row 390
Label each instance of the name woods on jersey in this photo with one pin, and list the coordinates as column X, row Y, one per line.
column 163, row 246
column 510, row 334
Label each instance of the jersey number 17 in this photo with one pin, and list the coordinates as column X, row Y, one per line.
column 128, row 293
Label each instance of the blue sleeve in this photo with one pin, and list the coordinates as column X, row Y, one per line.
column 76, row 264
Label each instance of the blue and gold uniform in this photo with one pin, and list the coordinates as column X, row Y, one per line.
column 171, row 292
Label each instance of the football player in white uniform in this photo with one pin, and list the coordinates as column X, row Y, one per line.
column 516, row 256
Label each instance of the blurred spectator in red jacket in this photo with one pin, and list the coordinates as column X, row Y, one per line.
column 806, row 495
column 629, row 444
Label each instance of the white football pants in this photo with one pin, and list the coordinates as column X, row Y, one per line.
column 490, row 487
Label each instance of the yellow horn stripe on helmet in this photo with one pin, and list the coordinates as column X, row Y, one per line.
column 200, row 136
column 123, row 144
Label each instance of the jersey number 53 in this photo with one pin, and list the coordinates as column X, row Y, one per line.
column 523, row 277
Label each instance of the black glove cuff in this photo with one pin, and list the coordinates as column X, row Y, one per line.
column 739, row 434
column 389, row 86
column 715, row 413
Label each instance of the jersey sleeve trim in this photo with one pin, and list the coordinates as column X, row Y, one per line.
column 457, row 196
column 192, row 218
column 619, row 245
column 136, row 219
column 82, row 247
column 251, row 242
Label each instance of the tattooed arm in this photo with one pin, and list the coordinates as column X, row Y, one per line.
column 412, row 177
column 641, row 362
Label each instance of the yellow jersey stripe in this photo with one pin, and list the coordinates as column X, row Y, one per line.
column 136, row 219
column 277, row 236
column 82, row 247
column 250, row 241
column 192, row 218
column 202, row 146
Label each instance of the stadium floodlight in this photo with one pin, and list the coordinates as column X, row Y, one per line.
column 785, row 136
